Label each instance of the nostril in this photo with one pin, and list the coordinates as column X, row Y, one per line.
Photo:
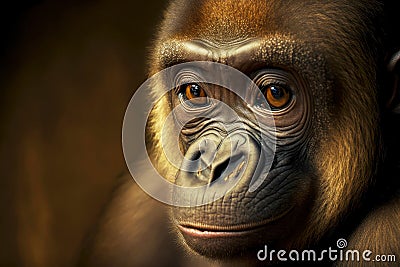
column 226, row 167
column 196, row 156
column 219, row 170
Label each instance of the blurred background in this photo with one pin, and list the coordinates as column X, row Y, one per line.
column 67, row 72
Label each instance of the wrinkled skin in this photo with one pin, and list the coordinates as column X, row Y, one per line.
column 334, row 170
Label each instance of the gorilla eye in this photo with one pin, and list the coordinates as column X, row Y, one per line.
column 276, row 95
column 194, row 93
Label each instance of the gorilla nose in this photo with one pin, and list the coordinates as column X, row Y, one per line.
column 224, row 166
column 212, row 159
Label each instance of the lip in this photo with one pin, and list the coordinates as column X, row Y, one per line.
column 201, row 233
column 204, row 231
column 220, row 243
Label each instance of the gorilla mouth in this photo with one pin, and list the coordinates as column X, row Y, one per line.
column 218, row 242
column 199, row 230
column 218, row 232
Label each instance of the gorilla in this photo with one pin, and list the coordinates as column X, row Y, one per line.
column 326, row 77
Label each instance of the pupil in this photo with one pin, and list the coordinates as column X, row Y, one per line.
column 195, row 90
column 276, row 92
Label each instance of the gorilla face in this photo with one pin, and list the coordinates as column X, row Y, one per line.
column 230, row 140
column 296, row 133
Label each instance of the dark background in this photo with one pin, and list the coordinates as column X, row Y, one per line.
column 67, row 72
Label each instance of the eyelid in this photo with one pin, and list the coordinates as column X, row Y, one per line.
column 186, row 77
column 265, row 80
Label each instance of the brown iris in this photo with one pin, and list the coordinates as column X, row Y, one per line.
column 195, row 93
column 276, row 95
